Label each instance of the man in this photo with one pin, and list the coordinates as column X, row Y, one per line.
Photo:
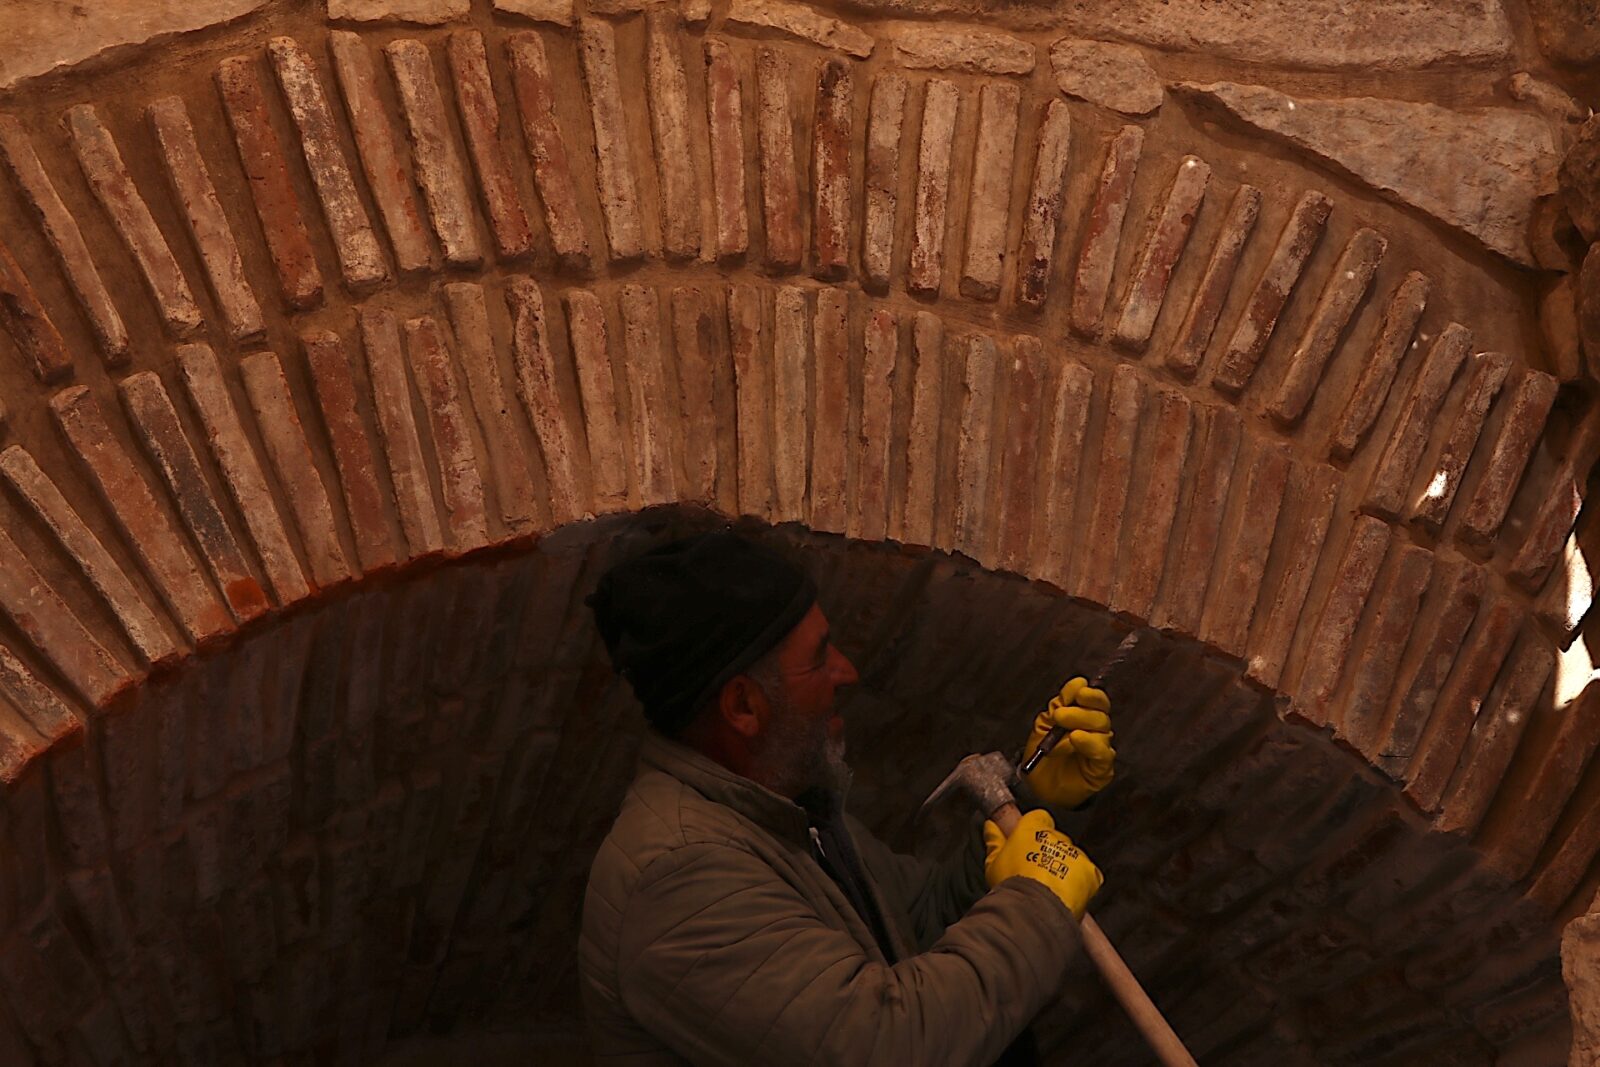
column 735, row 915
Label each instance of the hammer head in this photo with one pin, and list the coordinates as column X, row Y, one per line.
column 985, row 778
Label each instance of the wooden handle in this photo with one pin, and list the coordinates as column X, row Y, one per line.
column 1124, row 986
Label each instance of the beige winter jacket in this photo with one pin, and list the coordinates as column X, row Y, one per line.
column 711, row 935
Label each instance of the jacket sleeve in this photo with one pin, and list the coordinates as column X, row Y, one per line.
column 726, row 962
column 933, row 893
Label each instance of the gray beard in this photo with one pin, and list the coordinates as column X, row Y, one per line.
column 797, row 755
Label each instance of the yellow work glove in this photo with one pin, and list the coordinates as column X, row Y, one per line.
column 1037, row 850
column 1084, row 762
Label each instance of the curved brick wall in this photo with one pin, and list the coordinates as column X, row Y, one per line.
column 301, row 313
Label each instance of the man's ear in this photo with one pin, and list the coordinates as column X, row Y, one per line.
column 743, row 705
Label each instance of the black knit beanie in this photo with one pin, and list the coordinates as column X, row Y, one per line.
column 682, row 619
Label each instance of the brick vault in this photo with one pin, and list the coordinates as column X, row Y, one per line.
column 345, row 343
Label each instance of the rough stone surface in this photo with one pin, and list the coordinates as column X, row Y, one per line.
column 427, row 12
column 801, row 22
column 1568, row 30
column 559, row 12
column 1115, row 76
column 961, row 48
column 1580, row 968
column 1580, row 180
column 1476, row 171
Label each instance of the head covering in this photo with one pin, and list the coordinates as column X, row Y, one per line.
column 682, row 619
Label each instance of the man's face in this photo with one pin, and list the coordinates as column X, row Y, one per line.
column 802, row 744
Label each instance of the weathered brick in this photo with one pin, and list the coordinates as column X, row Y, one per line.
column 541, row 397
column 142, row 520
column 1168, row 236
column 830, row 414
column 480, row 119
column 439, row 169
column 780, row 190
column 291, row 458
column 916, row 511
column 552, row 170
column 1271, row 292
column 955, row 47
column 1391, row 479
column 754, row 392
column 989, row 200
column 208, row 224
column 103, row 167
column 1194, row 336
column 1360, row 719
column 360, row 257
column 801, row 22
column 1041, row 221
column 156, row 422
column 1102, row 235
column 1236, row 584
column 941, row 100
column 1531, row 400
column 1097, row 558
column 267, row 172
column 1063, row 457
column 586, row 331
column 507, row 467
column 1567, row 598
column 1343, row 292
column 725, row 119
column 460, row 484
column 137, row 620
column 869, row 517
column 47, row 716
column 378, row 147
column 29, row 324
column 1446, row 617
column 1165, row 439
column 1562, row 501
column 1496, row 731
column 1484, row 378
column 66, row 240
column 50, row 626
column 1338, row 619
column 1027, row 425
column 652, row 422
column 1199, row 530
column 1400, row 320
column 791, row 372
column 1440, row 745
column 241, row 471
column 831, row 210
column 335, row 389
column 673, row 132
column 1520, row 839
column 885, row 121
column 397, row 428
column 1318, row 489
column 619, row 195
column 698, row 337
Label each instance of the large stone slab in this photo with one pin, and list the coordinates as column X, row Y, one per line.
column 1477, row 171
column 1580, row 966
column 1111, row 75
column 43, row 35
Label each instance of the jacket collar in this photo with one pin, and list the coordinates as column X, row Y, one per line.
column 776, row 814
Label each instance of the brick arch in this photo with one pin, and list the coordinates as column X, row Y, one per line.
column 336, row 303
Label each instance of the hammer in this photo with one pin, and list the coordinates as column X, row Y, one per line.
column 984, row 778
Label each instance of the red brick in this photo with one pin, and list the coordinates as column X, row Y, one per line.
column 1194, row 337
column 291, row 458
column 142, row 520
column 541, row 398
column 586, row 331
column 480, row 119
column 754, row 392
column 869, row 517
column 1360, row 718
column 156, row 422
column 1199, row 530
column 989, row 200
column 29, row 324
column 439, row 169
column 1110, row 488
column 831, row 218
column 208, row 224
column 780, row 190
column 1165, row 440
column 940, row 102
column 1531, row 400
column 1391, row 479
column 1102, row 235
column 1041, row 221
column 48, row 717
column 885, row 122
column 335, row 389
column 619, row 195
column 1340, row 615
column 1164, row 244
column 1487, row 374
column 830, row 414
column 1272, row 291
column 652, row 422
column 1027, row 425
column 391, row 396
column 1400, row 320
column 725, row 118
column 1317, row 488
column 696, row 329
column 916, row 511
column 1236, row 584
column 360, row 257
column 791, row 370
column 378, row 146
column 673, row 132
column 66, row 239
column 277, row 207
column 1514, row 841
column 460, row 484
column 1063, row 456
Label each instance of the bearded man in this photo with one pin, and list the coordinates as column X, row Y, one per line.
column 736, row 915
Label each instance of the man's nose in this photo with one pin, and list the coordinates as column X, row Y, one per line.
column 844, row 672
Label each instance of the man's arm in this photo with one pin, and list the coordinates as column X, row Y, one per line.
column 934, row 893
column 727, row 963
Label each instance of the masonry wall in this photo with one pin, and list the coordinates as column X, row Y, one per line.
column 332, row 334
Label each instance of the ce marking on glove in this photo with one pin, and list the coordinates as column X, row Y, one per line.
column 1053, row 856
